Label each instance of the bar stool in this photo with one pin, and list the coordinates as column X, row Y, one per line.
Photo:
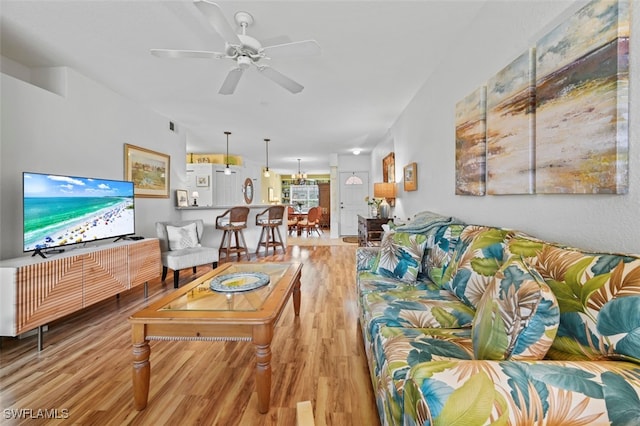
column 270, row 220
column 232, row 222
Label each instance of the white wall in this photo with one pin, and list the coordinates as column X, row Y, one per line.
column 425, row 133
column 83, row 134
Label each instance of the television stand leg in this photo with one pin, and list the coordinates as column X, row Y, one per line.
column 38, row 251
column 40, row 338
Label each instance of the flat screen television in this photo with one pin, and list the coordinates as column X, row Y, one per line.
column 61, row 210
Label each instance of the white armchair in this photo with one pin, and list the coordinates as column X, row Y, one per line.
column 180, row 247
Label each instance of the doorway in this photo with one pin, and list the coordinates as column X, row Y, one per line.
column 354, row 187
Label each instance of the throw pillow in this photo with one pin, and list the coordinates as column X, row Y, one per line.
column 479, row 253
column 182, row 237
column 517, row 317
column 400, row 255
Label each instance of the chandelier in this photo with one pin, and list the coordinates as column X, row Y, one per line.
column 299, row 176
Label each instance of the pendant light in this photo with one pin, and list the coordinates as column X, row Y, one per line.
column 227, row 170
column 300, row 176
column 266, row 169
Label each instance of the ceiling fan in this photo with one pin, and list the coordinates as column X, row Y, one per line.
column 243, row 50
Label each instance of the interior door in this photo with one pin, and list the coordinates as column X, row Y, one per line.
column 352, row 204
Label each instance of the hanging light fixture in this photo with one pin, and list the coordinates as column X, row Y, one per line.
column 227, row 170
column 266, row 169
column 299, row 174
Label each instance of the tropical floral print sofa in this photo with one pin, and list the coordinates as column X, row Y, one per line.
column 474, row 325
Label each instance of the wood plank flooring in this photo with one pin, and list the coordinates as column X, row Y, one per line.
column 84, row 371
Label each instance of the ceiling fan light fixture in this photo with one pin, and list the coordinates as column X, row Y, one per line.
column 244, row 62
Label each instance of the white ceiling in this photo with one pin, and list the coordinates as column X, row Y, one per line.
column 375, row 56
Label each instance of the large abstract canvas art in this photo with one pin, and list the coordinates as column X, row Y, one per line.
column 471, row 143
column 582, row 85
column 510, row 127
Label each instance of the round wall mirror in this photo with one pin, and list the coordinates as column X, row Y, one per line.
column 248, row 191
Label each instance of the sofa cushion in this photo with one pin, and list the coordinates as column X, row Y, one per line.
column 409, row 307
column 598, row 296
column 369, row 281
column 479, row 255
column 518, row 316
column 400, row 255
column 521, row 393
column 182, row 237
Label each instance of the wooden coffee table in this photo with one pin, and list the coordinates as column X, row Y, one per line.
column 195, row 312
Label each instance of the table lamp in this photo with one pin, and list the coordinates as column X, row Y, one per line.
column 385, row 190
column 195, row 196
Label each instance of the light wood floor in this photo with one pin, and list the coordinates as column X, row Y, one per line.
column 85, row 367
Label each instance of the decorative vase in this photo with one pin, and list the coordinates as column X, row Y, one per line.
column 374, row 211
column 384, row 209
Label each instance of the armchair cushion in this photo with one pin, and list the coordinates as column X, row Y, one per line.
column 400, row 255
column 517, row 317
column 182, row 237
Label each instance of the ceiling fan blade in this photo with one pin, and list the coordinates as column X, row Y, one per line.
column 272, row 41
column 280, row 79
column 297, row 48
column 217, row 20
column 170, row 53
column 231, row 82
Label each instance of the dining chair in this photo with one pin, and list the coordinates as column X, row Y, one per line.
column 292, row 220
column 311, row 222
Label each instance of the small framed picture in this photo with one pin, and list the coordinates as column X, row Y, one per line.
column 411, row 177
column 182, row 198
column 202, row 180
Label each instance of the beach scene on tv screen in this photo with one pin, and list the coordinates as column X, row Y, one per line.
column 61, row 210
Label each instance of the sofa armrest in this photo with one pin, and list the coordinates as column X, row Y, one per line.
column 365, row 257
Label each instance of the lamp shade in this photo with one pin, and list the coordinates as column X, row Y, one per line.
column 384, row 190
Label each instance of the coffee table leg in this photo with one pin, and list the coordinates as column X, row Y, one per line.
column 141, row 367
column 262, row 336
column 296, row 297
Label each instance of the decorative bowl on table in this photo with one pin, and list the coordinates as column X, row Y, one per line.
column 239, row 281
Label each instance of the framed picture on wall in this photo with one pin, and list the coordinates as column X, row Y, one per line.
column 148, row 170
column 182, row 198
column 202, row 180
column 389, row 168
column 411, row 177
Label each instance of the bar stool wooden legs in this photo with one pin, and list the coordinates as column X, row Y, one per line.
column 270, row 220
column 232, row 222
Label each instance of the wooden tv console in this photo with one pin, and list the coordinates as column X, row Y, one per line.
column 36, row 291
